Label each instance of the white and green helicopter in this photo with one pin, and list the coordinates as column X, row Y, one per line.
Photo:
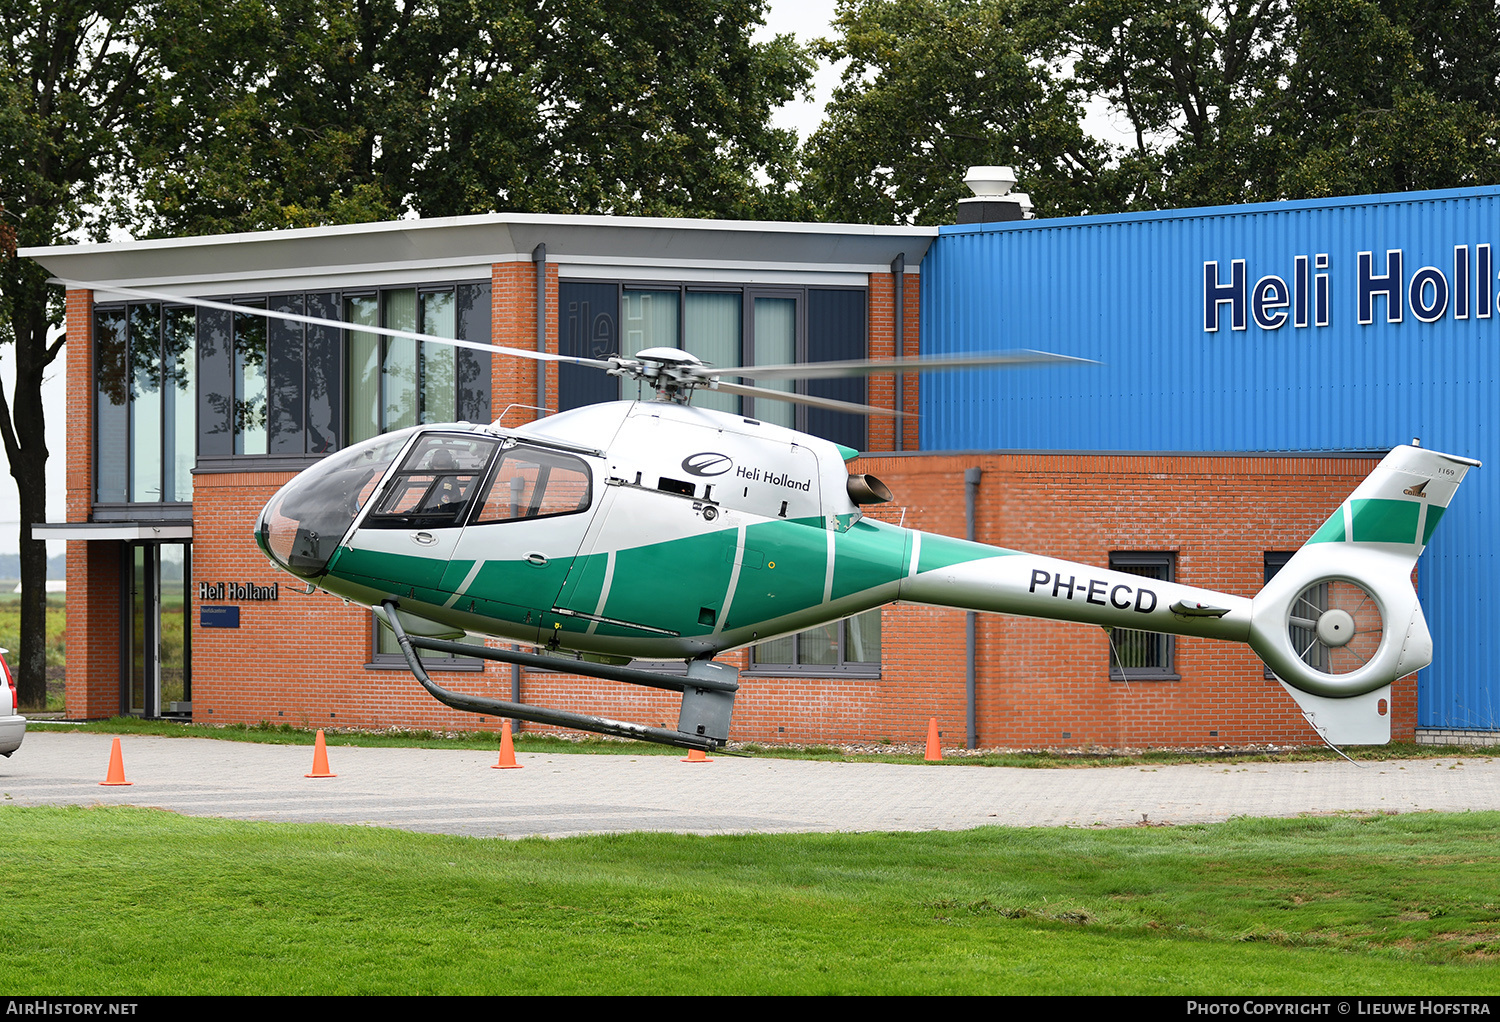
column 656, row 530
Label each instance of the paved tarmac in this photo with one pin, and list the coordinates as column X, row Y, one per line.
column 557, row 795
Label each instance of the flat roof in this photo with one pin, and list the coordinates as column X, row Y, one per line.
column 458, row 247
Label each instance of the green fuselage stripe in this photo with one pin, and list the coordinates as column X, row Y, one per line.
column 680, row 586
column 1385, row 521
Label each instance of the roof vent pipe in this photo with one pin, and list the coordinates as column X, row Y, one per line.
column 993, row 201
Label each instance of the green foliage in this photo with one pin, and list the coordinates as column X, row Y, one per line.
column 1228, row 102
column 933, row 87
column 57, row 623
column 301, row 112
column 134, row 901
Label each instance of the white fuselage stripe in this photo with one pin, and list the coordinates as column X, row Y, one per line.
column 916, row 553
column 464, row 585
column 609, row 577
column 828, row 573
column 734, row 579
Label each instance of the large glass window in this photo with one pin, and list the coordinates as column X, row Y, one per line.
column 724, row 326
column 250, row 432
column 144, row 408
column 395, row 382
column 285, row 388
column 848, row 646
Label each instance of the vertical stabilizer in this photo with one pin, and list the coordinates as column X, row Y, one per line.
column 1341, row 621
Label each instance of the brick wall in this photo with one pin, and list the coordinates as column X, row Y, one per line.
column 1040, row 684
column 1046, row 684
column 93, row 630
column 881, row 390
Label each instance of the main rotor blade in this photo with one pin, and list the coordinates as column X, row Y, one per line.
column 807, row 399
column 160, row 296
column 867, row 367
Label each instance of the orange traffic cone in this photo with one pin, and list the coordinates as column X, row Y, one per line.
column 320, row 758
column 696, row 756
column 116, row 773
column 934, row 750
column 507, row 750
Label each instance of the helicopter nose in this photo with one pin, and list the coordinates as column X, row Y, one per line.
column 302, row 525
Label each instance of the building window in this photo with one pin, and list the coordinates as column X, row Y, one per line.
column 144, row 372
column 850, row 646
column 291, row 389
column 395, row 382
column 1136, row 654
column 724, row 326
column 387, row 652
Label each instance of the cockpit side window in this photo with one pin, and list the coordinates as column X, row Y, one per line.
column 435, row 484
column 536, row 484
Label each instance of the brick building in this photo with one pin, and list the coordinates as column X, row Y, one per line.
column 184, row 420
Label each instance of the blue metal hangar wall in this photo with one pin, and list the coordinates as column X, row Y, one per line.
column 1350, row 324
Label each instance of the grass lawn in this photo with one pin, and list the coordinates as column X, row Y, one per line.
column 138, row 901
column 57, row 623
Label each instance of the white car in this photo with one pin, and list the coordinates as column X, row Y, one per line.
column 12, row 724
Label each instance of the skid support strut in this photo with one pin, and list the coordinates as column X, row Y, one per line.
column 707, row 691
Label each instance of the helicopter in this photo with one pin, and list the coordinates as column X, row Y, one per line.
column 659, row 530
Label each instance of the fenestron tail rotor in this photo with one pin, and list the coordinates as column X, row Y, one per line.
column 1335, row 626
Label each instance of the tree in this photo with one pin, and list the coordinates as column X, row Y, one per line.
column 320, row 111
column 933, row 87
column 70, row 80
column 1227, row 101
column 1260, row 100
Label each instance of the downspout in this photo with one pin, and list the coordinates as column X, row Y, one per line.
column 971, row 498
column 539, row 257
column 898, row 270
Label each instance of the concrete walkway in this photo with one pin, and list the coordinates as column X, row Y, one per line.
column 556, row 795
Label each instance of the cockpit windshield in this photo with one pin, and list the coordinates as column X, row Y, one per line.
column 301, row 527
column 435, row 483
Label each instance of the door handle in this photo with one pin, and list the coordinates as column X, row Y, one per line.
column 423, row 538
column 537, row 559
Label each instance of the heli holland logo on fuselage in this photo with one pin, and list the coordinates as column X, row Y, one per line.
column 706, row 464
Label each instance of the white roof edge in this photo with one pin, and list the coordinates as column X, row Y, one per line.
column 483, row 220
column 404, row 246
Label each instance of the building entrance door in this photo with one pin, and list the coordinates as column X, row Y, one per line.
column 158, row 633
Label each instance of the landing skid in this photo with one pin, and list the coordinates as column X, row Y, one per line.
column 707, row 691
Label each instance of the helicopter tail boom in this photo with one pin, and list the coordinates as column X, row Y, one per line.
column 1338, row 624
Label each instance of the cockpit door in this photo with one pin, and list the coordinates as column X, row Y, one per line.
column 521, row 538
column 406, row 540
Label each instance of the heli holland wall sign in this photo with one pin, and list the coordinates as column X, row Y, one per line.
column 1304, row 297
column 218, row 616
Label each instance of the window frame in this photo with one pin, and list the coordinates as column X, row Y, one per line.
column 578, row 332
column 169, row 437
column 845, row 668
column 430, row 659
column 1166, row 669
